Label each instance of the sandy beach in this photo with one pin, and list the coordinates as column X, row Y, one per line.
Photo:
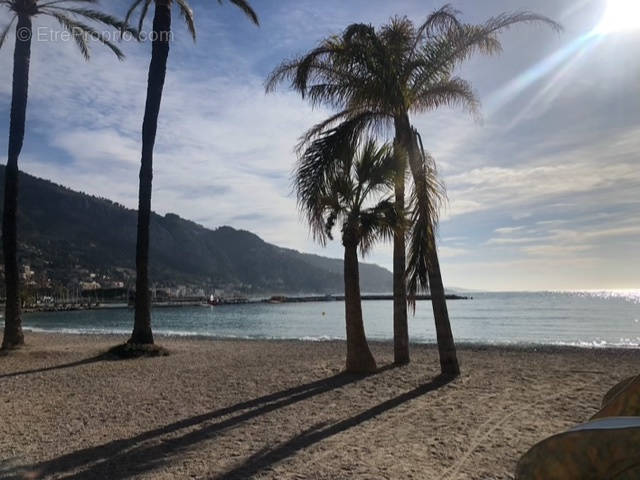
column 283, row 410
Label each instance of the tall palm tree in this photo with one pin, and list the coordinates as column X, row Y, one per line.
column 376, row 79
column 355, row 192
column 72, row 15
column 161, row 37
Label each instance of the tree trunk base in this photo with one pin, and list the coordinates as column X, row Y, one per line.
column 401, row 359
column 141, row 338
column 450, row 369
column 13, row 342
column 362, row 365
column 137, row 350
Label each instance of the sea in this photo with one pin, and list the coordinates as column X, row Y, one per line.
column 581, row 318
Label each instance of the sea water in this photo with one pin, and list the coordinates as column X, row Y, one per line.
column 588, row 319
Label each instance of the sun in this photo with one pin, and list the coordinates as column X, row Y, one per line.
column 620, row 16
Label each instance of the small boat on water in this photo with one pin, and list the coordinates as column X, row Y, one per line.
column 235, row 300
column 214, row 300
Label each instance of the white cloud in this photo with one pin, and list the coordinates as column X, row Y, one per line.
column 507, row 230
column 451, row 252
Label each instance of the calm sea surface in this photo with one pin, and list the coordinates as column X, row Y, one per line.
column 589, row 319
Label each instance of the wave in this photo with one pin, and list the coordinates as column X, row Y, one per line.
column 79, row 331
column 177, row 333
column 595, row 344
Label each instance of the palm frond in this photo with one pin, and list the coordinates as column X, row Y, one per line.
column 397, row 37
column 75, row 30
column 187, row 14
column 91, row 15
column 143, row 14
column 427, row 198
column 420, row 242
column 81, row 32
column 450, row 92
column 359, row 32
column 5, row 30
column 507, row 20
column 339, row 71
column 300, row 71
column 379, row 224
column 246, row 8
column 316, row 172
column 333, row 184
column 346, row 124
column 56, row 2
column 71, row 15
column 459, row 43
column 133, row 8
column 443, row 19
column 376, row 169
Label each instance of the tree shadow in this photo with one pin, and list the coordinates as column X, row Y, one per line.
column 266, row 458
column 84, row 361
column 111, row 355
column 120, row 459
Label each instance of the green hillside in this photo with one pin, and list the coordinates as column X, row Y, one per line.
column 65, row 236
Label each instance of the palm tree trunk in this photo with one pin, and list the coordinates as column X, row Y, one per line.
column 400, row 324
column 359, row 357
column 446, row 346
column 13, row 335
column 142, row 333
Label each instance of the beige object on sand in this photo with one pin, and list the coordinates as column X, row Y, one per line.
column 607, row 447
column 623, row 400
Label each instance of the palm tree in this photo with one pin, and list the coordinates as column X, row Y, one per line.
column 354, row 192
column 376, row 79
column 161, row 37
column 72, row 17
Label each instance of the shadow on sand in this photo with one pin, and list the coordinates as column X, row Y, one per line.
column 266, row 458
column 126, row 458
column 84, row 361
column 120, row 352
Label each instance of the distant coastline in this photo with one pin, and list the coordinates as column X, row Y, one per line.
column 70, row 307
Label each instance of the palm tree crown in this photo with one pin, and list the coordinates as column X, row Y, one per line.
column 72, row 15
column 355, row 193
column 185, row 10
column 398, row 69
column 377, row 78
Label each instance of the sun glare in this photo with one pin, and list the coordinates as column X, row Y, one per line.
column 619, row 16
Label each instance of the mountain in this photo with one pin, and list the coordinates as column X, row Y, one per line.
column 68, row 237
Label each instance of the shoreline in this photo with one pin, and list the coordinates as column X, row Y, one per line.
column 514, row 346
column 238, row 409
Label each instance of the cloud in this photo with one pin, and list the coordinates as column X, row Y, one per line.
column 507, row 230
column 510, row 241
column 553, row 250
column 601, row 173
column 450, row 252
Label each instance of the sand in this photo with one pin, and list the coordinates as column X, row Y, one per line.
column 283, row 410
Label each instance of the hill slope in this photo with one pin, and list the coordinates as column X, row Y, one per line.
column 64, row 235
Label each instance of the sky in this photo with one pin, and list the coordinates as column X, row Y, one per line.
column 543, row 189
